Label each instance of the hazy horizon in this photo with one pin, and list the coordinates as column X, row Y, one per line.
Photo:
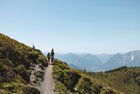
column 75, row 26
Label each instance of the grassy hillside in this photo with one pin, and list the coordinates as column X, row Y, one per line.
column 73, row 81
column 118, row 81
column 17, row 63
column 22, row 70
column 123, row 79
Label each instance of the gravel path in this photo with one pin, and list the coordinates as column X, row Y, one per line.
column 48, row 84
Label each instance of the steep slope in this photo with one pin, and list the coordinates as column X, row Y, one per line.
column 21, row 67
column 114, row 62
column 71, row 81
column 132, row 58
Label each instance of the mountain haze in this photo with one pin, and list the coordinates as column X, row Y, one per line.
column 102, row 62
column 131, row 58
column 83, row 61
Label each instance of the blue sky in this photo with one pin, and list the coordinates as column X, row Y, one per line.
column 89, row 26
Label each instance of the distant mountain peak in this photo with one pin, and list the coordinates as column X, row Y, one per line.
column 102, row 62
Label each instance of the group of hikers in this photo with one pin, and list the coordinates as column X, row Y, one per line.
column 50, row 56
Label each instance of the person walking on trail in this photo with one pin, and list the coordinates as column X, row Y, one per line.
column 52, row 55
column 49, row 57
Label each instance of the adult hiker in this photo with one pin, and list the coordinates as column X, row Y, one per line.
column 49, row 57
column 52, row 55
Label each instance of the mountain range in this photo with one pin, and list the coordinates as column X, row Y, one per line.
column 101, row 62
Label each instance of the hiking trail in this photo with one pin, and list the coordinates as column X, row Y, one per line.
column 48, row 85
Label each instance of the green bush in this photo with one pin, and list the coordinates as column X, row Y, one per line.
column 6, row 73
column 110, row 92
column 33, row 55
column 30, row 90
column 23, row 72
column 63, row 74
column 84, row 86
column 97, row 88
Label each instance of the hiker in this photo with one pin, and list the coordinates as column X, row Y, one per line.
column 33, row 47
column 49, row 56
column 52, row 55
